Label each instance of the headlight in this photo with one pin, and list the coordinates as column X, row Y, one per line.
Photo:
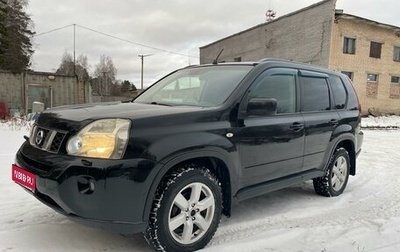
column 105, row 138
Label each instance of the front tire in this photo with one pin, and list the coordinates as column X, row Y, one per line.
column 337, row 175
column 186, row 210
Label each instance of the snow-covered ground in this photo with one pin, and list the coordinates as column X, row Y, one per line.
column 365, row 218
column 381, row 122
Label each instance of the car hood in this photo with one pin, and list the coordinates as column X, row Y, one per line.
column 75, row 116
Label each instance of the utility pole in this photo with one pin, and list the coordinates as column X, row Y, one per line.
column 74, row 53
column 141, row 76
column 105, row 85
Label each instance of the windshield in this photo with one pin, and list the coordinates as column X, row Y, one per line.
column 202, row 86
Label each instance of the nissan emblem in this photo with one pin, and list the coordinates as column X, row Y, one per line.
column 39, row 137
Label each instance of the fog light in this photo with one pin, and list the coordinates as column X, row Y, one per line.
column 86, row 185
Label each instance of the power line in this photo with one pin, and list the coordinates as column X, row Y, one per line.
column 134, row 43
column 117, row 38
column 46, row 32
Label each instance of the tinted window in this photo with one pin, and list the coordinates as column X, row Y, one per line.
column 279, row 84
column 352, row 102
column 339, row 92
column 315, row 94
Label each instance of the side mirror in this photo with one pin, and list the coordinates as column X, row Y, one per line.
column 262, row 106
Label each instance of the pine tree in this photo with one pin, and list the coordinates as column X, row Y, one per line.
column 3, row 16
column 125, row 86
column 15, row 36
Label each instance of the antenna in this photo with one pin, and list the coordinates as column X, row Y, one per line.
column 216, row 59
column 270, row 15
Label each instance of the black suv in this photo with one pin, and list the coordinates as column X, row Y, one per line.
column 170, row 162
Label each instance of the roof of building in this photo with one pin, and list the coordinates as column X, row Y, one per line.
column 31, row 72
column 340, row 15
column 272, row 21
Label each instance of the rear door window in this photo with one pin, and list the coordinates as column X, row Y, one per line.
column 315, row 94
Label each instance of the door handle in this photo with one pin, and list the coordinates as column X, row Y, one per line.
column 296, row 126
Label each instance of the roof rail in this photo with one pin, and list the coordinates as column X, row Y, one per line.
column 275, row 59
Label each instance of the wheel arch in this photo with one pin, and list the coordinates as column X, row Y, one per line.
column 348, row 145
column 344, row 136
column 215, row 161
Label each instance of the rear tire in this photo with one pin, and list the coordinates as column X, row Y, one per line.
column 337, row 175
column 186, row 210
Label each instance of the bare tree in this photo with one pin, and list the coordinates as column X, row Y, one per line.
column 80, row 69
column 105, row 73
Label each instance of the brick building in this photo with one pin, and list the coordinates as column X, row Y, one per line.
column 366, row 50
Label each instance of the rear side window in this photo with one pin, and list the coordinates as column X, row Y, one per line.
column 339, row 92
column 315, row 94
column 352, row 103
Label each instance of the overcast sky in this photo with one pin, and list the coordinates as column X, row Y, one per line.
column 177, row 26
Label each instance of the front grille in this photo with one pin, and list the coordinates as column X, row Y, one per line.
column 57, row 141
column 47, row 139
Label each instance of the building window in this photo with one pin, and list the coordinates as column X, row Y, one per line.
column 349, row 74
column 375, row 50
column 396, row 53
column 237, row 59
column 372, row 77
column 395, row 79
column 349, row 45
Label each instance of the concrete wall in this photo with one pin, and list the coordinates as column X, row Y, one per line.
column 64, row 88
column 381, row 95
column 300, row 36
column 61, row 90
column 16, row 91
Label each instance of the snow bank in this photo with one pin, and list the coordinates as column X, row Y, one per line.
column 387, row 122
column 15, row 124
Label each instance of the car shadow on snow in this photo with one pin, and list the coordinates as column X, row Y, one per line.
column 291, row 199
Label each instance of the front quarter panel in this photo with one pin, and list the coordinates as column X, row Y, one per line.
column 170, row 150
column 171, row 146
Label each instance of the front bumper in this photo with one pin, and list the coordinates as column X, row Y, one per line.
column 108, row 194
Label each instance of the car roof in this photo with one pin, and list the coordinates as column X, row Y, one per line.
column 277, row 62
